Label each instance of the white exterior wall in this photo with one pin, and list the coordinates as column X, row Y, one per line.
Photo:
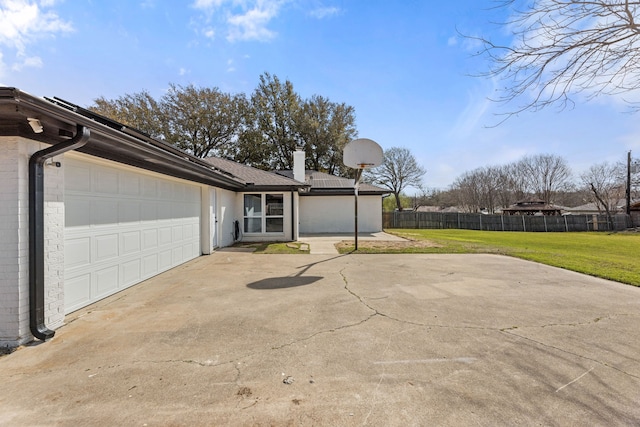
column 335, row 214
column 14, row 235
column 226, row 201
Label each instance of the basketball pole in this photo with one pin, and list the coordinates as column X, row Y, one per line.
column 355, row 192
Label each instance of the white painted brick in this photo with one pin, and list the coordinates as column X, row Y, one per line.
column 14, row 233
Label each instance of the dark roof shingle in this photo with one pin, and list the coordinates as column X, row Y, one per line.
column 251, row 175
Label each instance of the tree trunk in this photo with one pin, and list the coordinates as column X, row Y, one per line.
column 398, row 203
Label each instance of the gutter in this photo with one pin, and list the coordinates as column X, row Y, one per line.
column 36, row 229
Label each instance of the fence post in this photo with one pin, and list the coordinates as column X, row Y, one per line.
column 544, row 217
column 502, row 221
column 566, row 227
column 480, row 222
column 458, row 220
column 524, row 224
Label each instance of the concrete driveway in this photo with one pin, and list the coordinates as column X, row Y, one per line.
column 382, row 340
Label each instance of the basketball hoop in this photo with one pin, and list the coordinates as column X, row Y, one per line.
column 361, row 154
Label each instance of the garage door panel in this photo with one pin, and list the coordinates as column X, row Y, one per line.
column 150, row 265
column 165, row 211
column 165, row 190
column 106, row 281
column 164, row 258
column 77, row 252
column 105, row 181
column 106, row 247
column 176, row 233
column 149, row 211
column 128, row 211
column 126, row 226
column 148, row 187
column 104, row 212
column 77, row 291
column 187, row 231
column 177, row 255
column 164, row 234
column 149, row 239
column 130, row 272
column 129, row 184
column 75, row 212
column 77, row 178
column 130, row 242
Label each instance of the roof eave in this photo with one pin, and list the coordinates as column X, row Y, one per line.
column 112, row 144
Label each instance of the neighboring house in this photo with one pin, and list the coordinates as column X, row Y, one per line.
column 438, row 209
column 532, row 207
column 595, row 209
column 107, row 207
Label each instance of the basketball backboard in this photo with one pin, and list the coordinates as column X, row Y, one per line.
column 362, row 153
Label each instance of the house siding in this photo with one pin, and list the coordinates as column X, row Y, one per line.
column 335, row 214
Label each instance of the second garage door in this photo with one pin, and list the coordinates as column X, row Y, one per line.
column 123, row 225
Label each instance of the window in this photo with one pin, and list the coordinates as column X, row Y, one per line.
column 263, row 213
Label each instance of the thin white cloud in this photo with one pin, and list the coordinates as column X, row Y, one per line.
column 22, row 23
column 473, row 116
column 208, row 4
column 252, row 25
column 240, row 20
column 324, row 12
column 29, row 61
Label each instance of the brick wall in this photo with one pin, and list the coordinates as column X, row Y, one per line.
column 14, row 243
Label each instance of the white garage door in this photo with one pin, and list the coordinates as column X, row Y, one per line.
column 123, row 225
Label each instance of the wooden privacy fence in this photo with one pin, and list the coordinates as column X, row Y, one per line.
column 475, row 221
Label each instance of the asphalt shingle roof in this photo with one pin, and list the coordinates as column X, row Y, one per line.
column 248, row 174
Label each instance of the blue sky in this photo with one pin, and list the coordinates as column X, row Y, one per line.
column 402, row 65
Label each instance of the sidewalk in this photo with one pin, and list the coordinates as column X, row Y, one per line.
column 324, row 244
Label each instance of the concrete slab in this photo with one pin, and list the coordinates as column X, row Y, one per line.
column 382, row 340
column 324, row 244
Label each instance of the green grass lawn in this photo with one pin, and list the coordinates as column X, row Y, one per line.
column 610, row 256
column 276, row 247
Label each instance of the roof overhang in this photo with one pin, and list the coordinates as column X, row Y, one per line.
column 123, row 145
column 340, row 192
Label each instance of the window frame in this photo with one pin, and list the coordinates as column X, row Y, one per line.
column 263, row 214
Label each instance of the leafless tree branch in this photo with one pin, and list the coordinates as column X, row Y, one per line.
column 561, row 48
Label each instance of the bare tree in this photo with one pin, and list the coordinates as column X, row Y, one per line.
column 564, row 47
column 607, row 185
column 399, row 170
column 545, row 175
column 481, row 189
